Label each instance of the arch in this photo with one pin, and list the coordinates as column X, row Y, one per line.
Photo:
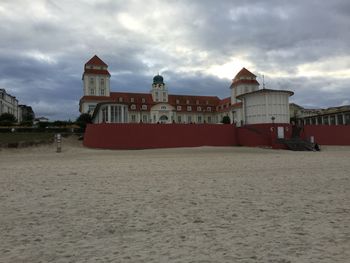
column 163, row 119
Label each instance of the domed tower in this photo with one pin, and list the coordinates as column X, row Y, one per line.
column 159, row 90
column 244, row 82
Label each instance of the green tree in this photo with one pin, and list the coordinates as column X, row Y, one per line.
column 83, row 120
column 7, row 119
column 226, row 120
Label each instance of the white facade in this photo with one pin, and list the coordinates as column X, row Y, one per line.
column 8, row 103
column 265, row 106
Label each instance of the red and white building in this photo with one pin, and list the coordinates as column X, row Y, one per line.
column 247, row 104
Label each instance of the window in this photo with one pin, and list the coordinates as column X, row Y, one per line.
column 164, row 94
column 178, row 107
column 332, row 119
column 340, row 119
column 199, row 119
column 91, row 108
column 197, row 102
column 189, row 119
column 120, row 99
column 179, row 119
column 116, row 114
column 144, row 118
column 102, row 92
column 199, row 108
column 133, row 118
column 92, row 91
column 209, row 119
column 208, row 108
column 143, row 100
column 325, row 120
column 133, row 107
column 163, row 107
column 104, row 115
column 92, row 81
column 347, row 119
column 177, row 102
column 207, row 102
column 102, row 83
column 189, row 108
column 132, row 100
column 187, row 102
column 144, row 107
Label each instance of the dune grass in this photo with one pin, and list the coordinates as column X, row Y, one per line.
column 25, row 137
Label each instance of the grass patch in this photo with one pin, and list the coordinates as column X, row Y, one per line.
column 25, row 137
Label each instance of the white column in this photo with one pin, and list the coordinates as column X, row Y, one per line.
column 122, row 109
column 109, row 114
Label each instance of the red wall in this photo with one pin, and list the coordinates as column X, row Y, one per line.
column 328, row 134
column 145, row 136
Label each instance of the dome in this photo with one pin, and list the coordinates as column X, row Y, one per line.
column 158, row 79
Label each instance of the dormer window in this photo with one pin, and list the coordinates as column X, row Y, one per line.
column 177, row 102
column 189, row 108
column 187, row 102
column 143, row 100
column 132, row 100
column 197, row 102
column 199, row 108
column 144, row 107
column 208, row 108
column 133, row 107
column 178, row 108
column 120, row 99
column 207, row 102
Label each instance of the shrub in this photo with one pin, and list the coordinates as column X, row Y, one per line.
column 226, row 120
column 83, row 120
column 7, row 119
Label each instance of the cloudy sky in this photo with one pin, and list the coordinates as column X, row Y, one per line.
column 197, row 45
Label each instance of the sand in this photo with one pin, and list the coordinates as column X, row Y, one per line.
column 207, row 204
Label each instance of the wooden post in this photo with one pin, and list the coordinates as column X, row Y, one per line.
column 58, row 142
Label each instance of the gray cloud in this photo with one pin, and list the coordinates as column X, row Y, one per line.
column 298, row 45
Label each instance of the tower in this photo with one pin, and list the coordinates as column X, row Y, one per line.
column 159, row 90
column 244, row 82
column 96, row 78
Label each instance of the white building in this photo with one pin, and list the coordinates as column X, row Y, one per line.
column 246, row 105
column 8, row 103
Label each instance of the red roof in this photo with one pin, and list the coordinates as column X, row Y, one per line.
column 193, row 100
column 224, row 104
column 97, row 71
column 244, row 73
column 96, row 61
column 203, row 102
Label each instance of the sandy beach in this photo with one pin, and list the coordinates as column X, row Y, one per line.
column 207, row 204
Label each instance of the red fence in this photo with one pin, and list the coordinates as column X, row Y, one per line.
column 328, row 135
column 145, row 136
